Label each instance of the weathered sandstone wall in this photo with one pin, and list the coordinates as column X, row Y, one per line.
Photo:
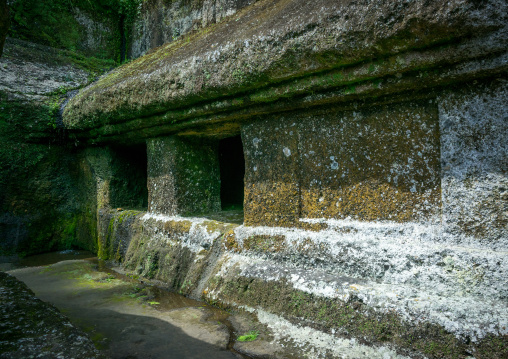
column 164, row 21
column 4, row 23
column 44, row 188
column 412, row 262
column 374, row 136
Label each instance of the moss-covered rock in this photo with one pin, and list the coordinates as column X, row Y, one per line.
column 163, row 21
column 352, row 319
column 41, row 177
column 183, row 176
column 258, row 61
column 4, row 23
column 91, row 28
column 38, row 197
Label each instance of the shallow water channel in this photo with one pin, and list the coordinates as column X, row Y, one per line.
column 124, row 317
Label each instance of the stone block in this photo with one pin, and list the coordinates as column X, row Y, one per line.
column 271, row 172
column 474, row 156
column 378, row 163
column 183, row 176
column 118, row 179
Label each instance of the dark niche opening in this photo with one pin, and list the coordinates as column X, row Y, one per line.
column 129, row 182
column 232, row 172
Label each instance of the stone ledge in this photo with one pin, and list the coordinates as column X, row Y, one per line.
column 405, row 285
column 258, row 58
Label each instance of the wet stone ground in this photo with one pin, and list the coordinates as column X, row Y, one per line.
column 127, row 319
column 31, row 328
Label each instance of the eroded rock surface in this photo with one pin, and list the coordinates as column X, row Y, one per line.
column 390, row 284
column 373, row 136
column 259, row 58
column 30, row 71
column 4, row 23
column 163, row 21
column 38, row 178
column 31, row 328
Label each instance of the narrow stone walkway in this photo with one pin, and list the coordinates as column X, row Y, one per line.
column 121, row 317
column 31, row 328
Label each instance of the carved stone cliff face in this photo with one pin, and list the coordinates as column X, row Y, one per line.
column 256, row 60
column 38, row 206
column 375, row 177
column 4, row 23
column 164, row 21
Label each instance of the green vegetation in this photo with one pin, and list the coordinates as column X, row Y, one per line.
column 185, row 286
column 32, row 170
column 249, row 336
column 55, row 23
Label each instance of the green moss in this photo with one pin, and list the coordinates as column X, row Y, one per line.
column 125, row 215
column 54, row 23
column 48, row 235
column 32, row 171
column 264, row 243
column 69, row 232
column 249, row 336
column 350, row 90
column 351, row 319
column 104, row 241
column 94, row 65
column 109, row 239
column 24, row 122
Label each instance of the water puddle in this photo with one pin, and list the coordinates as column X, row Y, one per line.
column 125, row 317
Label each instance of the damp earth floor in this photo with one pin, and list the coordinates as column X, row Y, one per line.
column 128, row 319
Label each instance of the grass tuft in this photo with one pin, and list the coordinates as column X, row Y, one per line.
column 249, row 336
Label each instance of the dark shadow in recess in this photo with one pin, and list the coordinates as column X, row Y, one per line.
column 129, row 183
column 232, row 172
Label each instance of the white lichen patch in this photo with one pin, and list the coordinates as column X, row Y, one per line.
column 196, row 239
column 318, row 344
column 407, row 268
column 474, row 128
column 465, row 316
column 35, row 78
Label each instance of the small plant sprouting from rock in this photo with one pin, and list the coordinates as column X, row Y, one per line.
column 186, row 285
column 249, row 336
